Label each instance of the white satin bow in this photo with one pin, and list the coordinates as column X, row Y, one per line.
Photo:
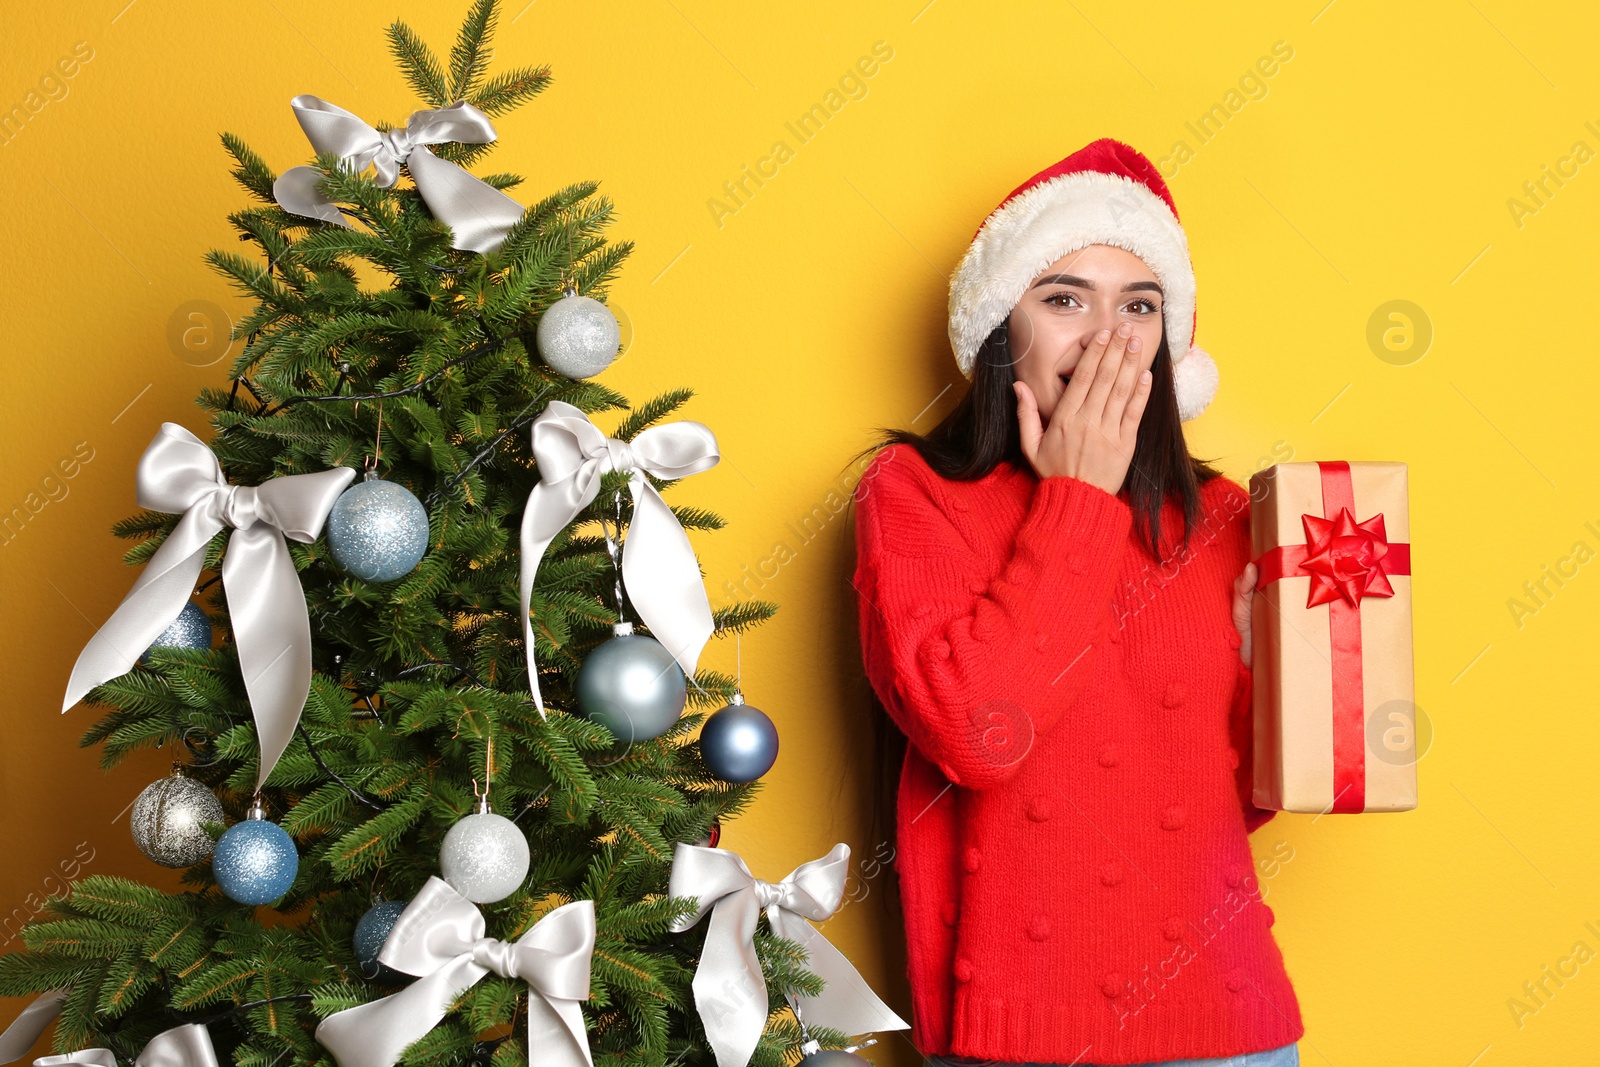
column 440, row 937
column 271, row 628
column 478, row 214
column 182, row 1046
column 730, row 992
column 659, row 567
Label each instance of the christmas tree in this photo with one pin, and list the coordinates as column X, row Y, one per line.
column 383, row 345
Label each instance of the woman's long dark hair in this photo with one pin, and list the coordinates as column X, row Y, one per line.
column 982, row 431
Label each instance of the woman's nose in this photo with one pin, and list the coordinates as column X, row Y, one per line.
column 1106, row 319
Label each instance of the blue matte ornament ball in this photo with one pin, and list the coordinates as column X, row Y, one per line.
column 377, row 530
column 255, row 862
column 739, row 742
column 191, row 629
column 371, row 932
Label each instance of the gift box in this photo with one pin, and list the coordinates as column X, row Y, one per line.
column 1330, row 626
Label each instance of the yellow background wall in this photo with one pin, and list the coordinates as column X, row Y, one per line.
column 1376, row 163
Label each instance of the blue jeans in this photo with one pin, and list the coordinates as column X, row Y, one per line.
column 1285, row 1056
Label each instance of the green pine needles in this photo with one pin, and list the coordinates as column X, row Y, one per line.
column 417, row 681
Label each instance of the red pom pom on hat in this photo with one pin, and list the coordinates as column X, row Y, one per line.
column 1106, row 192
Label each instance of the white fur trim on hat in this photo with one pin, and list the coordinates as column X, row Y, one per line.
column 1194, row 379
column 1056, row 218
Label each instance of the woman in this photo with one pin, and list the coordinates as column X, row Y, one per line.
column 1054, row 605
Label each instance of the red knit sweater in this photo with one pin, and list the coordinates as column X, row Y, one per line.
column 1075, row 800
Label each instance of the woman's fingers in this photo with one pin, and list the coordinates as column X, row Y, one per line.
column 1244, row 588
column 1082, row 374
column 1134, row 360
column 1106, row 394
column 1129, row 427
column 1105, row 376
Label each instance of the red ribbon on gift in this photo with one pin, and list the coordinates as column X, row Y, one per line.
column 1346, row 560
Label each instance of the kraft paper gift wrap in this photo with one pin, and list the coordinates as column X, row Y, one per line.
column 1330, row 624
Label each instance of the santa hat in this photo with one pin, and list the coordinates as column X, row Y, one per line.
column 1106, row 193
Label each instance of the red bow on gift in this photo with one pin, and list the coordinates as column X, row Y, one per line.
column 1346, row 560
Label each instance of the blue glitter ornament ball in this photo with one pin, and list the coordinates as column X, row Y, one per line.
column 191, row 629
column 371, row 932
column 739, row 742
column 377, row 530
column 255, row 862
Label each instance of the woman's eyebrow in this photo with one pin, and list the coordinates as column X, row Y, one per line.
column 1085, row 283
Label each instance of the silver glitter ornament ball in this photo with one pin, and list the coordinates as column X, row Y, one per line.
column 632, row 686
column 169, row 818
column 739, row 743
column 191, row 629
column 377, row 530
column 485, row 857
column 578, row 336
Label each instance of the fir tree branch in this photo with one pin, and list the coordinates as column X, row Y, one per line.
column 418, row 64
column 502, row 93
column 471, row 354
column 471, row 52
column 252, row 172
column 517, row 424
column 300, row 728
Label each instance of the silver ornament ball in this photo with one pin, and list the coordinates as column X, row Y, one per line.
column 485, row 857
column 378, row 530
column 739, row 743
column 632, row 686
column 191, row 629
column 578, row 336
column 833, row 1057
column 168, row 821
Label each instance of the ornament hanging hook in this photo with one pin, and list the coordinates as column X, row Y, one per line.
column 488, row 776
column 799, row 1017
column 615, row 548
column 613, row 552
column 809, row 1044
column 569, row 286
column 377, row 444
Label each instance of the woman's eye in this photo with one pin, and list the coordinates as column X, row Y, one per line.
column 1058, row 300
